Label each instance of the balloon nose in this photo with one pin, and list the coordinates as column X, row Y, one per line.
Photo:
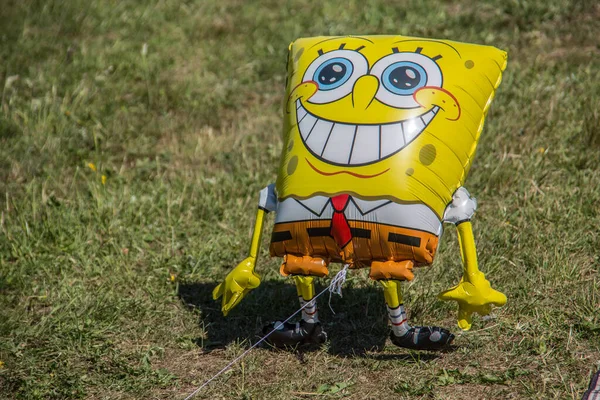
column 430, row 96
column 364, row 91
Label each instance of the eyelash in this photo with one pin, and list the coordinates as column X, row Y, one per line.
column 418, row 51
column 394, row 50
column 321, row 52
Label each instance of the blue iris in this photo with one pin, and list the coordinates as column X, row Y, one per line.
column 333, row 73
column 404, row 77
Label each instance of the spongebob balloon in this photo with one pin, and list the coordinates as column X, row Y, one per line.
column 379, row 135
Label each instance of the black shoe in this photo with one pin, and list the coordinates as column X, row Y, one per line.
column 292, row 334
column 423, row 338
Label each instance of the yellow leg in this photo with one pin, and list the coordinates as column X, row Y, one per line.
column 288, row 334
column 392, row 292
column 305, row 286
column 405, row 335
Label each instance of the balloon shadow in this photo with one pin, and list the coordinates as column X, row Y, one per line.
column 357, row 328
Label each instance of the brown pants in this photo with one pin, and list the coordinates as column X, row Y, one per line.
column 389, row 251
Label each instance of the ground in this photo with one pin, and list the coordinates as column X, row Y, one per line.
column 135, row 136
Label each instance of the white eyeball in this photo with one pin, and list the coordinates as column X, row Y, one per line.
column 401, row 75
column 335, row 74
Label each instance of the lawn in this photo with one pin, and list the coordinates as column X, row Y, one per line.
column 135, row 136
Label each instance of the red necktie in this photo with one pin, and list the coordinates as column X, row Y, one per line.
column 340, row 230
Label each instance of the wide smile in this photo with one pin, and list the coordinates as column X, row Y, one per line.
column 353, row 145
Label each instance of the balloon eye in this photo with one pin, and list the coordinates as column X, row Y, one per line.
column 404, row 78
column 333, row 73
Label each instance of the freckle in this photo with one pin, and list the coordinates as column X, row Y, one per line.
column 291, row 167
column 427, row 154
column 410, row 171
column 298, row 54
column 290, row 145
column 469, row 64
column 443, row 101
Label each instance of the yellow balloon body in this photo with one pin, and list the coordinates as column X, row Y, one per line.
column 384, row 117
column 379, row 136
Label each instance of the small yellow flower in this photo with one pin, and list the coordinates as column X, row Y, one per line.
column 104, row 179
column 172, row 277
column 1, row 364
column 541, row 150
column 92, row 167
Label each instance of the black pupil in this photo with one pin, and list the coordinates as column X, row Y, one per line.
column 405, row 77
column 332, row 73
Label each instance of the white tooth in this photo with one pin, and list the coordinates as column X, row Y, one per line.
column 428, row 117
column 317, row 138
column 412, row 128
column 392, row 138
column 306, row 125
column 300, row 113
column 298, row 104
column 339, row 144
column 366, row 145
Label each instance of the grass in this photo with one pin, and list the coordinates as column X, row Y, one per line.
column 105, row 286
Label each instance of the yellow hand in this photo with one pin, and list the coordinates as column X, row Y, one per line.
column 237, row 284
column 473, row 294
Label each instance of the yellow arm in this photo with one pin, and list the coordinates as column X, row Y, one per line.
column 257, row 234
column 473, row 293
column 242, row 278
column 468, row 251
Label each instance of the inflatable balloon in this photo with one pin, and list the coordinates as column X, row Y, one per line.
column 379, row 135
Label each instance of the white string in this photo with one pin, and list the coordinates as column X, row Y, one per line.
column 336, row 284
column 334, row 287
